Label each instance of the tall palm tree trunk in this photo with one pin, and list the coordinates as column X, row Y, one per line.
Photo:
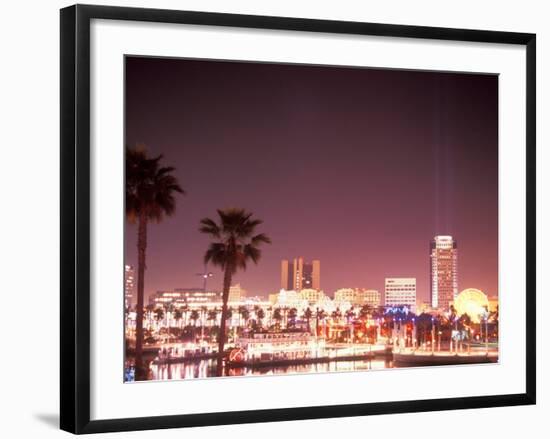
column 223, row 324
column 142, row 245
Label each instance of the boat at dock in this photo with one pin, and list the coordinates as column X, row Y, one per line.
column 172, row 353
column 273, row 349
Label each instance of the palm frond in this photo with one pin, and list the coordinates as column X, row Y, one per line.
column 209, row 227
column 150, row 189
column 260, row 238
column 216, row 254
column 251, row 252
column 234, row 244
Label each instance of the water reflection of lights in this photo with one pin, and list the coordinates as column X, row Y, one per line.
column 182, row 371
column 207, row 368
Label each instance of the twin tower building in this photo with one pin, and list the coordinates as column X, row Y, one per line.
column 299, row 275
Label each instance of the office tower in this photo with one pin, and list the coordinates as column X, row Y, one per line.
column 443, row 272
column 298, row 275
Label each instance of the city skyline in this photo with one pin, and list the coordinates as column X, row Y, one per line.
column 364, row 198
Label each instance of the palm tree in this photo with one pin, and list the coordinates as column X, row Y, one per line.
column 212, row 316
column 150, row 191
column 424, row 323
column 159, row 315
column 365, row 311
column 260, row 314
column 170, row 316
column 350, row 315
column 185, row 310
column 277, row 316
column 194, row 316
column 230, row 312
column 307, row 316
column 204, row 310
column 292, row 314
column 178, row 316
column 235, row 243
column 244, row 314
column 149, row 308
column 320, row 314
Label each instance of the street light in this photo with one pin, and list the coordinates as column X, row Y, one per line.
column 205, row 276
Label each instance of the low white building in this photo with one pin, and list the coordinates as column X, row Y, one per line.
column 401, row 291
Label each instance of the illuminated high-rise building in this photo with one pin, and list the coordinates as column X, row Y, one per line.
column 298, row 275
column 443, row 272
column 129, row 285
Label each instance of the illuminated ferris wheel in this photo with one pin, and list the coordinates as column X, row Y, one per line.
column 473, row 302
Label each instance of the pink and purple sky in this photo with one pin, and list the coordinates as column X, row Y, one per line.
column 359, row 168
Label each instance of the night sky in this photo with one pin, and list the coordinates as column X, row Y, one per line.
column 359, row 168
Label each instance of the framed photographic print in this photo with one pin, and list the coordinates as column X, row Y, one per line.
column 268, row 218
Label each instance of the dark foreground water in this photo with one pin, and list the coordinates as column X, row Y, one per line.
column 207, row 368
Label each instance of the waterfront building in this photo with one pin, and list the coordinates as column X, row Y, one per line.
column 236, row 293
column 129, row 285
column 365, row 296
column 291, row 299
column 298, row 275
column 443, row 272
column 312, row 296
column 358, row 296
column 401, row 291
column 197, row 296
column 345, row 295
column 273, row 298
column 192, row 297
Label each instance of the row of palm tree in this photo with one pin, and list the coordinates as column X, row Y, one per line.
column 151, row 191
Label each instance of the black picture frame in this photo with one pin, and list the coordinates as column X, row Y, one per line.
column 75, row 217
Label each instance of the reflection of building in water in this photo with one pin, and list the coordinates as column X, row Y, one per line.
column 298, row 275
